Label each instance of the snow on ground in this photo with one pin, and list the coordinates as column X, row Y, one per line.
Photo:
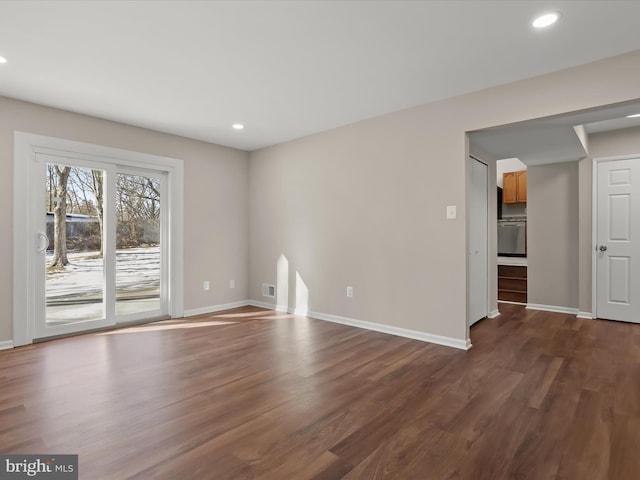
column 137, row 271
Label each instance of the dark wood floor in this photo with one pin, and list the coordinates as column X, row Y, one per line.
column 250, row 394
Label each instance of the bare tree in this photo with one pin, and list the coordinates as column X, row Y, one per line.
column 80, row 191
column 137, row 207
column 60, row 218
column 98, row 190
column 50, row 187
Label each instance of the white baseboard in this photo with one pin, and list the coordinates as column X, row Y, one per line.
column 493, row 313
column 587, row 315
column 6, row 344
column 256, row 303
column 397, row 331
column 376, row 327
column 215, row 308
column 552, row 308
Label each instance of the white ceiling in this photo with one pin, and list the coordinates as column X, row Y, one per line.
column 286, row 69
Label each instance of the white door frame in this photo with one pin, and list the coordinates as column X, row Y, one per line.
column 594, row 225
column 25, row 239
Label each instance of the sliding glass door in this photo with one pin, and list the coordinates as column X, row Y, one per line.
column 101, row 233
column 97, row 237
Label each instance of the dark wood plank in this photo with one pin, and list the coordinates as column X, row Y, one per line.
column 590, row 431
column 624, row 448
column 255, row 394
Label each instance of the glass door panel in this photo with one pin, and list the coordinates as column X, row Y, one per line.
column 73, row 245
column 138, row 244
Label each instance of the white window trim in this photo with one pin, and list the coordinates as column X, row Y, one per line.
column 25, row 147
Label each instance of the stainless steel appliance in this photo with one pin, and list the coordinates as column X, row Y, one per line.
column 512, row 237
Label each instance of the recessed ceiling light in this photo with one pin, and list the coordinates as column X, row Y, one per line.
column 546, row 20
column 3, row 60
column 634, row 115
column 238, row 126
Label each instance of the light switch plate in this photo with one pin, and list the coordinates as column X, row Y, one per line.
column 451, row 212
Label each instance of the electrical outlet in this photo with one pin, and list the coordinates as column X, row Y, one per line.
column 232, row 284
column 205, row 285
column 349, row 292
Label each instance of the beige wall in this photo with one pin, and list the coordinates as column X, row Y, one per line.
column 364, row 205
column 216, row 199
column 552, row 241
column 615, row 143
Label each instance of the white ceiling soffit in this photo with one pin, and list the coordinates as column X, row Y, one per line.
column 553, row 139
column 286, row 69
column 533, row 144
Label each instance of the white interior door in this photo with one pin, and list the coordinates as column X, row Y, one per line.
column 478, row 241
column 618, row 240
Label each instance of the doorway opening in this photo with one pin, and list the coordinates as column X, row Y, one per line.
column 511, row 181
column 558, row 152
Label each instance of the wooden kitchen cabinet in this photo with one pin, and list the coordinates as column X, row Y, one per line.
column 514, row 187
column 512, row 283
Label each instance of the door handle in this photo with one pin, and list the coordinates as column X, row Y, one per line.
column 43, row 242
column 603, row 248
